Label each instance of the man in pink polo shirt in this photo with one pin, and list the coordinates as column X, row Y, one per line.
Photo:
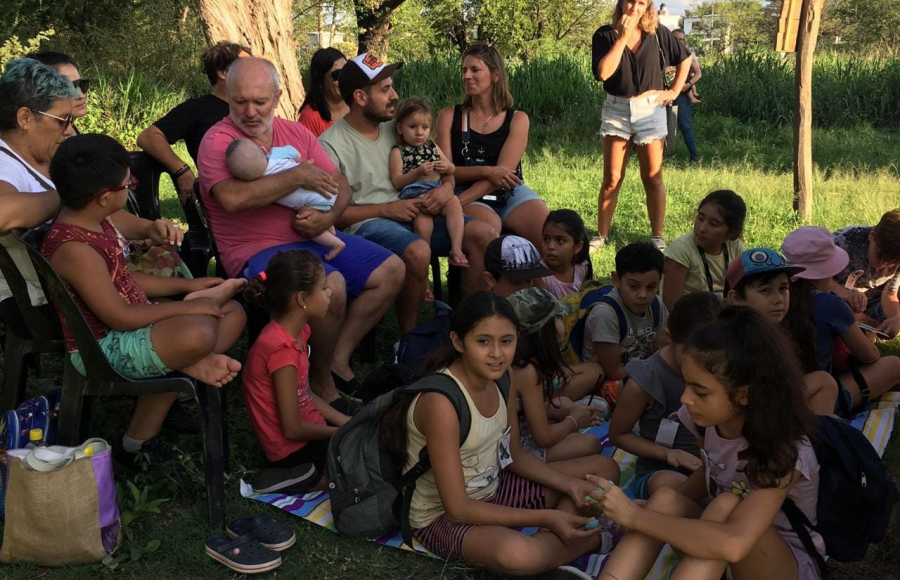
column 249, row 228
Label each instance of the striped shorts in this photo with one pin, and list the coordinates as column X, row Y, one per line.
column 445, row 538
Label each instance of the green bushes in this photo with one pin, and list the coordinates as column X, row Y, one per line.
column 123, row 106
column 848, row 89
column 752, row 86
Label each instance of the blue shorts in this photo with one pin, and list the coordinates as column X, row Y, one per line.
column 520, row 195
column 356, row 262
column 640, row 485
column 418, row 189
column 130, row 352
column 397, row 236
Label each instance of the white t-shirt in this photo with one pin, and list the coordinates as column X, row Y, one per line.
column 14, row 172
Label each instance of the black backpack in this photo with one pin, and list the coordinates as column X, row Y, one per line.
column 370, row 495
column 856, row 495
column 426, row 338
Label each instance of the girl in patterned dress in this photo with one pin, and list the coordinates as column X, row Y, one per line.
column 417, row 165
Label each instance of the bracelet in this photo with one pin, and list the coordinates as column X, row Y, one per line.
column 574, row 421
column 182, row 170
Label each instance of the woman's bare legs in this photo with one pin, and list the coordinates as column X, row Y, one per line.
column 615, row 157
column 650, row 157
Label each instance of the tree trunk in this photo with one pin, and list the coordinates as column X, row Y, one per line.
column 266, row 27
column 319, row 39
column 374, row 23
column 810, row 18
column 333, row 26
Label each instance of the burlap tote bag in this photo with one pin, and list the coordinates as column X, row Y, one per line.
column 65, row 516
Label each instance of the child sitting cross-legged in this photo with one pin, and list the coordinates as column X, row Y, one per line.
column 548, row 423
column 139, row 338
column 636, row 280
column 292, row 423
column 667, row 452
column 761, row 278
column 468, row 505
column 743, row 401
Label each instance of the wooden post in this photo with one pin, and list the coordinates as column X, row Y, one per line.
column 810, row 17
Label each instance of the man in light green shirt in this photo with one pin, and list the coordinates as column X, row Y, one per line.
column 360, row 144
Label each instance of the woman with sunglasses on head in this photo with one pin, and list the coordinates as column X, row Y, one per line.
column 323, row 104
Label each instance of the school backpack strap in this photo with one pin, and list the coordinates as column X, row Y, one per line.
column 620, row 314
column 590, row 297
column 447, row 386
column 801, row 525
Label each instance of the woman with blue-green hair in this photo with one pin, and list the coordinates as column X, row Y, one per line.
column 36, row 112
column 35, row 118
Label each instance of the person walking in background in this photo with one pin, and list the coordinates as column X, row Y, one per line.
column 629, row 57
column 687, row 99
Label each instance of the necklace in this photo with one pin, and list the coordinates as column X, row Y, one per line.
column 484, row 124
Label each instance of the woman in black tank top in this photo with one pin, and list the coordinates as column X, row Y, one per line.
column 487, row 139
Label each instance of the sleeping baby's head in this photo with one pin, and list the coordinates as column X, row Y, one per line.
column 245, row 160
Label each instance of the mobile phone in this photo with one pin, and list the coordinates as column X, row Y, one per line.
column 873, row 330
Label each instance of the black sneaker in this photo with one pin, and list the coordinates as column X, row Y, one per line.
column 347, row 388
column 150, row 458
column 287, row 480
column 180, row 421
column 343, row 405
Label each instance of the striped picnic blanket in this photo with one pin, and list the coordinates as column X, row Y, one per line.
column 876, row 423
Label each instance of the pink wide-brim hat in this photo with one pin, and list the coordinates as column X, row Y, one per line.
column 813, row 247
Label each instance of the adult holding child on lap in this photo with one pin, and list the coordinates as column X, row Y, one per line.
column 250, row 227
column 629, row 57
column 486, row 139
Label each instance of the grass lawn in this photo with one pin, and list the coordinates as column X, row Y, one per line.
column 857, row 180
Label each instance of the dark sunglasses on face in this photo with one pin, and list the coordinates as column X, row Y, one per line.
column 336, row 74
column 82, row 85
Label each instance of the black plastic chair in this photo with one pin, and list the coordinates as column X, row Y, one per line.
column 30, row 330
column 197, row 248
column 103, row 380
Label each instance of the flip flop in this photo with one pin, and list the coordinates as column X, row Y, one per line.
column 263, row 529
column 244, row 554
column 457, row 264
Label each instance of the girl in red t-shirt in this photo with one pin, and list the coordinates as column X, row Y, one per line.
column 292, row 423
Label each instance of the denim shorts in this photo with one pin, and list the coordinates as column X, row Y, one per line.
column 520, row 195
column 397, row 236
column 639, row 119
column 640, row 485
column 356, row 262
column 418, row 189
column 130, row 352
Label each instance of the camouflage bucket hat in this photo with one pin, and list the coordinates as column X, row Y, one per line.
column 535, row 307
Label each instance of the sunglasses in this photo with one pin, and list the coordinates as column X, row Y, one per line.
column 82, row 85
column 336, row 74
column 66, row 121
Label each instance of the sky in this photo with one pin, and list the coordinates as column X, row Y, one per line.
column 676, row 6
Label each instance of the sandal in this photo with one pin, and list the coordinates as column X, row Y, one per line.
column 263, row 529
column 244, row 554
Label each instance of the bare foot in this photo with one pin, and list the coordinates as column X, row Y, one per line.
column 458, row 259
column 429, row 292
column 335, row 250
column 222, row 293
column 215, row 369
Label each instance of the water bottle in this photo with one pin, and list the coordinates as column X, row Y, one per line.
column 35, row 439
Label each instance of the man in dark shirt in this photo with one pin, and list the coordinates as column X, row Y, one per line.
column 191, row 119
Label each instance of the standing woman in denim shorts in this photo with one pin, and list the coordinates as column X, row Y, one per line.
column 629, row 57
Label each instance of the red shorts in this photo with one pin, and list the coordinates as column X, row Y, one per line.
column 445, row 538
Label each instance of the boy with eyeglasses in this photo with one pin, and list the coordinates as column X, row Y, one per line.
column 140, row 339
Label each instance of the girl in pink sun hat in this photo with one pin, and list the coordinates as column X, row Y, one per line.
column 866, row 374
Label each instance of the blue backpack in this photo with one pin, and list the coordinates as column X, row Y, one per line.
column 426, row 338
column 585, row 303
column 38, row 413
column 856, row 495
